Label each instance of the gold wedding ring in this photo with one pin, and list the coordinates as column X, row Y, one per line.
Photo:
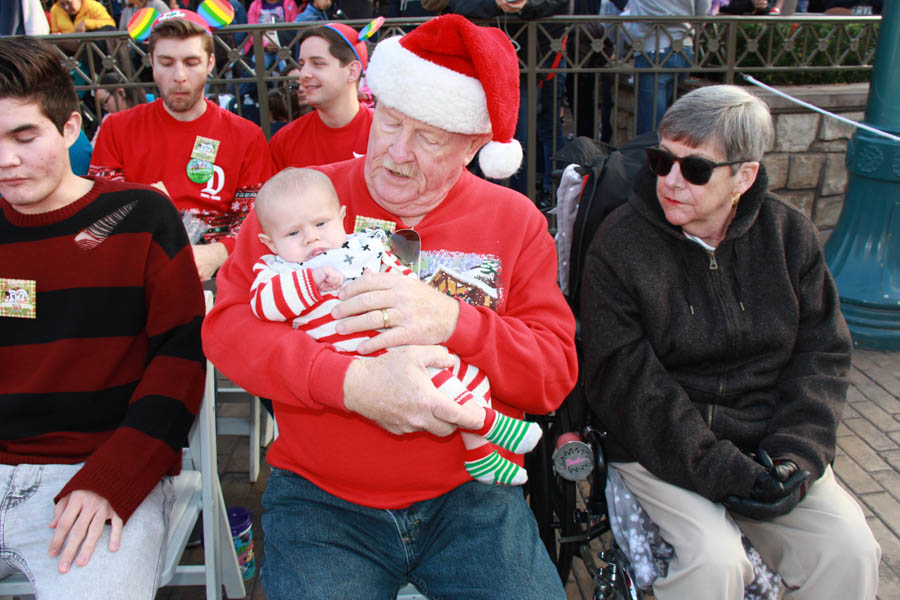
column 385, row 319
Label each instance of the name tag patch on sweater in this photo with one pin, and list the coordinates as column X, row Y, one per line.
column 18, row 298
column 366, row 222
column 203, row 155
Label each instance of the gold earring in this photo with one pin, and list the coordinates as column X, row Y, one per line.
column 735, row 199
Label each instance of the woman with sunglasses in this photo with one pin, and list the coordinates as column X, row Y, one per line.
column 716, row 357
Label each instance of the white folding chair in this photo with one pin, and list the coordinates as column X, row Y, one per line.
column 197, row 490
column 16, row 585
column 259, row 425
column 409, row 592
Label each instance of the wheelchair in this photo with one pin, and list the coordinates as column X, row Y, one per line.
column 567, row 495
column 568, row 469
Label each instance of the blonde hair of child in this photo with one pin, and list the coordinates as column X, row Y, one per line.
column 291, row 184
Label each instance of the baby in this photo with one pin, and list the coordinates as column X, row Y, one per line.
column 302, row 223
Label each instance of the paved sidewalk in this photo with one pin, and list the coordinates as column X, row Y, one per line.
column 867, row 464
column 868, row 457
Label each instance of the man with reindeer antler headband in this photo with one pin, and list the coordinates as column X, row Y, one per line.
column 209, row 161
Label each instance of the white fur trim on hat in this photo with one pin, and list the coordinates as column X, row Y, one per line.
column 498, row 160
column 426, row 91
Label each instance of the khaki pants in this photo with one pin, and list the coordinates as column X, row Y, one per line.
column 822, row 549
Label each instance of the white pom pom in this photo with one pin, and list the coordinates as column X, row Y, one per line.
column 500, row 160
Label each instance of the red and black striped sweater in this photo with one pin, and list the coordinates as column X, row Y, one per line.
column 110, row 371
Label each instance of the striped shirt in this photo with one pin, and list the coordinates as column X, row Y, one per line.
column 110, row 371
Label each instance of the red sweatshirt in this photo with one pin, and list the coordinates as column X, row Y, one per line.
column 486, row 244
column 145, row 144
column 308, row 141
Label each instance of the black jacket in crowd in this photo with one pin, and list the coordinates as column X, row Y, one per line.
column 693, row 358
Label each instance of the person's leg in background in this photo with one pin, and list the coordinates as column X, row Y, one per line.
column 606, row 106
column 647, row 85
column 551, row 141
column 272, row 59
column 681, row 59
column 664, row 88
column 549, row 100
column 656, row 94
column 247, row 89
column 582, row 88
column 823, row 548
column 519, row 181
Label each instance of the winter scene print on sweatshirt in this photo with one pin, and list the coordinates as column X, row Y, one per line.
column 474, row 278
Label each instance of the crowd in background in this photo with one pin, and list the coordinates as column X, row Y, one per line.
column 286, row 100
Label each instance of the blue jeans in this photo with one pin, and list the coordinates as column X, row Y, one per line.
column 663, row 84
column 545, row 122
column 474, row 542
column 26, row 508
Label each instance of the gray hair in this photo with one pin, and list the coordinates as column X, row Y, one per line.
column 733, row 119
column 289, row 183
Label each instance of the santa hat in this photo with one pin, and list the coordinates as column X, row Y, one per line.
column 453, row 74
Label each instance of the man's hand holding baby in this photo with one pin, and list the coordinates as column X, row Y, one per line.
column 418, row 313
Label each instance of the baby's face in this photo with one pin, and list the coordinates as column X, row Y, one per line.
column 303, row 228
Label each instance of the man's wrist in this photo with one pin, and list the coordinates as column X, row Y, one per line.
column 221, row 252
column 354, row 376
column 218, row 253
column 454, row 319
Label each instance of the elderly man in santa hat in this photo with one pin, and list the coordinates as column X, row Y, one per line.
column 368, row 490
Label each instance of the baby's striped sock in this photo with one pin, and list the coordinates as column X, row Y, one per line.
column 512, row 434
column 486, row 465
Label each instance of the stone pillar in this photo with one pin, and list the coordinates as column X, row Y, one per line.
column 863, row 252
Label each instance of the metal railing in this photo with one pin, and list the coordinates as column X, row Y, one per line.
column 594, row 53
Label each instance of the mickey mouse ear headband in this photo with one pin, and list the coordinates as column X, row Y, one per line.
column 210, row 14
column 358, row 43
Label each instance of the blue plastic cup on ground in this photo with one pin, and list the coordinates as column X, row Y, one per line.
column 241, row 521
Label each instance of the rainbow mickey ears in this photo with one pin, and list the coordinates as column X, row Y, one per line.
column 218, row 13
column 358, row 45
column 210, row 14
column 369, row 30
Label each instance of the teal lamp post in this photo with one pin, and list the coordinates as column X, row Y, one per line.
column 863, row 252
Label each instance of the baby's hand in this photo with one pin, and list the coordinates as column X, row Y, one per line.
column 327, row 279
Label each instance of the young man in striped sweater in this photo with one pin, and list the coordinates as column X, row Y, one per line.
column 101, row 370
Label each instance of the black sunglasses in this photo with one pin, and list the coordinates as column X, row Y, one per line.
column 695, row 169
